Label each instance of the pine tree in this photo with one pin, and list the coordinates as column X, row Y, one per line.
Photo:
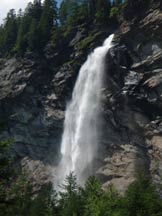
column 48, row 21
column 102, row 11
column 22, row 37
column 83, row 13
column 1, row 40
column 28, row 32
column 33, row 36
column 92, row 194
column 92, row 9
column 69, row 202
column 71, row 12
column 22, row 42
column 142, row 198
column 63, row 12
column 36, row 10
column 9, row 31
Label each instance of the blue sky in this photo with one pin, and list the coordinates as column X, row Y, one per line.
column 6, row 5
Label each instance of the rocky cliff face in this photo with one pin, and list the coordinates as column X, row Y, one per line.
column 35, row 90
column 34, row 93
column 132, row 98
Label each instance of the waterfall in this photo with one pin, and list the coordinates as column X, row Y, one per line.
column 80, row 136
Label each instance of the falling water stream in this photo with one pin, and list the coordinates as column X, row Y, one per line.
column 80, row 136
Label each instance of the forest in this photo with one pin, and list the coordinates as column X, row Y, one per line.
column 43, row 23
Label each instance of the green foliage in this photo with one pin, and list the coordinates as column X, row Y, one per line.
column 42, row 21
column 48, row 21
column 63, row 13
column 92, row 194
column 112, row 203
column 87, row 41
column 30, row 30
column 33, row 36
column 8, row 32
column 6, row 172
column 5, row 144
column 16, row 193
column 21, row 42
column 27, row 37
column 102, row 11
column 69, row 202
column 5, row 158
column 114, row 11
column 117, row 7
column 141, row 199
column 45, row 202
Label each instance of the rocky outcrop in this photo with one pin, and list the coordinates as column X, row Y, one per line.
column 132, row 99
column 35, row 91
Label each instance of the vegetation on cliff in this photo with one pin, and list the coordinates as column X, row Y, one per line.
column 41, row 23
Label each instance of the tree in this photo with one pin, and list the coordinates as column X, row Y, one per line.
column 71, row 12
column 63, row 12
column 36, row 10
column 92, row 194
column 9, row 31
column 6, row 173
column 103, row 8
column 28, row 32
column 45, row 203
column 142, row 198
column 21, row 42
column 22, row 37
column 33, row 36
column 48, row 21
column 69, row 202
column 112, row 203
column 83, row 13
column 92, row 9
column 116, row 8
column 1, row 40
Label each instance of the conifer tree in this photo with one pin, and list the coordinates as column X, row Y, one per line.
column 36, row 9
column 1, row 40
column 69, row 202
column 33, row 36
column 63, row 12
column 48, row 21
column 22, row 37
column 21, row 43
column 102, row 11
column 28, row 33
column 9, row 31
column 92, row 194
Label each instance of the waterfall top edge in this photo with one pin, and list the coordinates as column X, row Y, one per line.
column 108, row 40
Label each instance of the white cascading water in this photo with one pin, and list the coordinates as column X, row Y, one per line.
column 80, row 136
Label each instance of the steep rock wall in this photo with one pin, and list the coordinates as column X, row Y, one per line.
column 132, row 103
